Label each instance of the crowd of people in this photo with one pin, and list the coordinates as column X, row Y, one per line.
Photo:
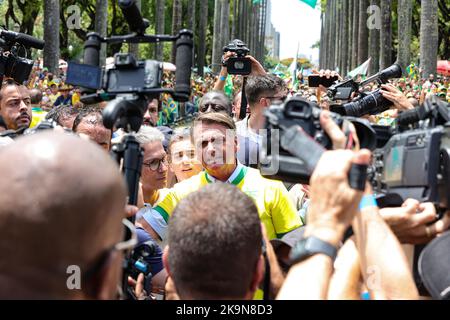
column 219, row 229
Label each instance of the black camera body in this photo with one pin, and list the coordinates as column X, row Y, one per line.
column 239, row 65
column 138, row 263
column 415, row 163
column 12, row 64
column 126, row 76
column 295, row 139
column 367, row 103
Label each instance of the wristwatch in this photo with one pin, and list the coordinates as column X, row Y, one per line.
column 310, row 246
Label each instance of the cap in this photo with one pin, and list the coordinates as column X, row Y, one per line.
column 289, row 239
column 433, row 267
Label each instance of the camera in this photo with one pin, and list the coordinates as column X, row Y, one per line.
column 12, row 64
column 128, row 86
column 126, row 76
column 367, row 103
column 415, row 163
column 239, row 64
column 138, row 263
column 295, row 139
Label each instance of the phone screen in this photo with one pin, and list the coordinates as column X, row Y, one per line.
column 315, row 80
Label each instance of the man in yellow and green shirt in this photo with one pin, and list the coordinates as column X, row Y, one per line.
column 216, row 145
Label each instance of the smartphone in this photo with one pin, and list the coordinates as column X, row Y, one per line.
column 315, row 80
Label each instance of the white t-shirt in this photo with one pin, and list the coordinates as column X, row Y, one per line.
column 249, row 143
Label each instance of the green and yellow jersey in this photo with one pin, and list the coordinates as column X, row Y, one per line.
column 275, row 208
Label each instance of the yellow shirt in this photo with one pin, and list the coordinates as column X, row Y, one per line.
column 272, row 200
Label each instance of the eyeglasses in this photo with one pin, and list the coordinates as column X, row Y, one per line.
column 156, row 163
column 214, row 107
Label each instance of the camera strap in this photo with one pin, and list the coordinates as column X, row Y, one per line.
column 243, row 111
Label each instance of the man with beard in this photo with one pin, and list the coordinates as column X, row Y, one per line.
column 151, row 115
column 15, row 106
column 216, row 141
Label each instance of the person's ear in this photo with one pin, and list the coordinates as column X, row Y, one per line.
column 104, row 284
column 258, row 274
column 165, row 259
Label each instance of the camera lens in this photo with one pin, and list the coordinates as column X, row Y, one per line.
column 372, row 103
column 239, row 65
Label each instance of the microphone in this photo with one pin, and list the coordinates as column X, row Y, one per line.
column 184, row 63
column 22, row 38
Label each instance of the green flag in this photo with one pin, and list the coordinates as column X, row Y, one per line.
column 311, row 3
column 228, row 89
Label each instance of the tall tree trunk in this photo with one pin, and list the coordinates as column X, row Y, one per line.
column 363, row 33
column 404, row 11
column 101, row 25
column 176, row 24
column 224, row 23
column 336, row 38
column 203, row 14
column 345, row 32
column 241, row 19
column 217, row 38
column 133, row 48
column 159, row 27
column 262, row 40
column 374, row 41
column 234, row 24
column 330, row 46
column 51, row 35
column 350, row 8
column 429, row 37
column 191, row 24
column 337, row 60
column 333, row 34
column 255, row 30
column 385, row 35
column 355, row 29
column 322, row 47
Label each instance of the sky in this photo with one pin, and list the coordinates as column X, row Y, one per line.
column 297, row 23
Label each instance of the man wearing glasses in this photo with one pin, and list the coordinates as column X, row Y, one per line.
column 261, row 92
column 154, row 165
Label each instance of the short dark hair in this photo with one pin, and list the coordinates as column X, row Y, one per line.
column 214, row 249
column 61, row 112
column 258, row 85
column 9, row 83
column 85, row 112
column 226, row 106
column 217, row 118
column 36, row 95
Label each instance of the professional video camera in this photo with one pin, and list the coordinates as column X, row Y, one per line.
column 416, row 163
column 128, row 86
column 139, row 263
column 13, row 51
column 367, row 103
column 295, row 141
column 238, row 64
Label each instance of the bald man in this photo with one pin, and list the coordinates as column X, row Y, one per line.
column 60, row 219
